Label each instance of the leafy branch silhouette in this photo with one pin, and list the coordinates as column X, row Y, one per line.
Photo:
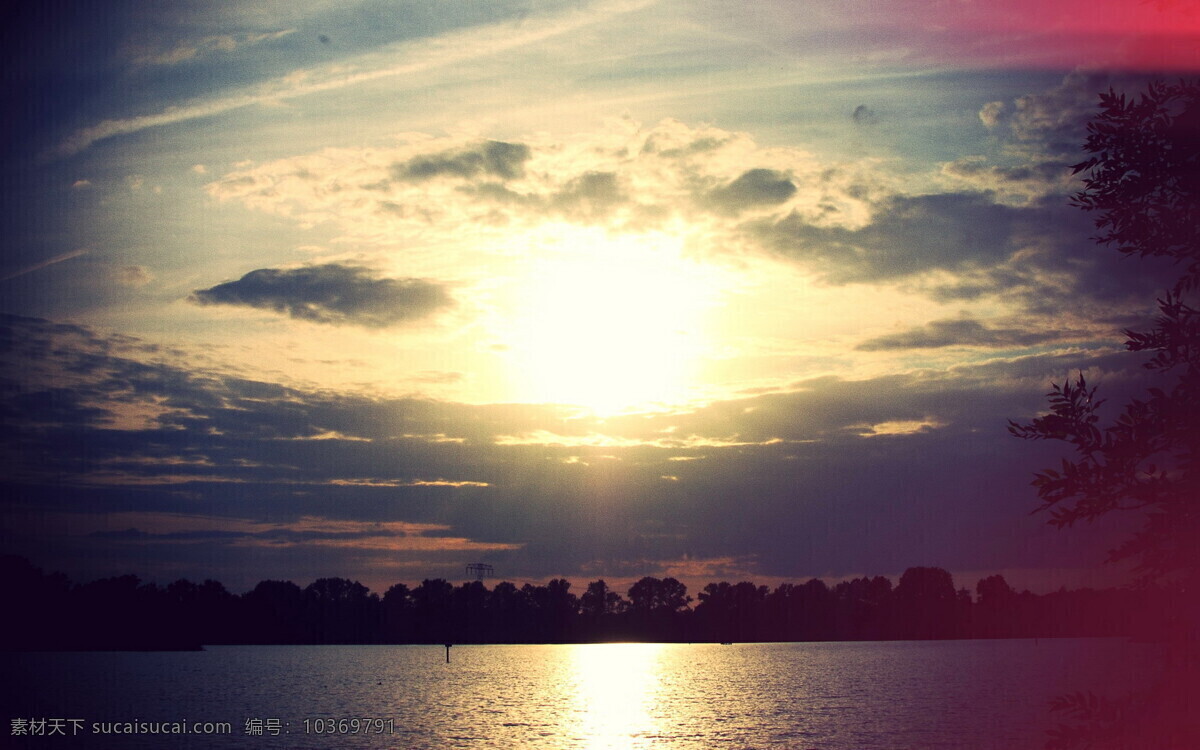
column 1143, row 179
column 1100, row 722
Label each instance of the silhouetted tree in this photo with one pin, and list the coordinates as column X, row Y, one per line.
column 656, row 606
column 510, row 613
column 275, row 614
column 994, row 591
column 105, row 605
column 555, row 608
column 204, row 613
column 925, row 604
column 342, row 611
column 655, row 595
column 599, row 600
column 40, row 599
column 599, row 606
column 863, row 608
column 397, row 614
column 732, row 612
column 124, row 613
column 802, row 612
column 432, row 612
column 995, row 612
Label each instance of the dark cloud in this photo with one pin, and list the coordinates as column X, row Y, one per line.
column 965, row 332
column 1058, row 261
column 907, row 235
column 589, row 196
column 491, row 159
column 1052, row 124
column 832, row 477
column 586, row 198
column 331, row 293
column 1035, row 255
column 1040, row 135
column 756, row 187
column 654, row 145
column 864, row 115
column 132, row 534
column 275, row 535
column 497, row 192
column 1049, row 173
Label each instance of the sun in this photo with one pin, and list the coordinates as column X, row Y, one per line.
column 609, row 322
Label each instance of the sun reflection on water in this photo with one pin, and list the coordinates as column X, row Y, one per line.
column 617, row 686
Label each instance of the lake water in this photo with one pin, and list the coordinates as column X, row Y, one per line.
column 832, row 696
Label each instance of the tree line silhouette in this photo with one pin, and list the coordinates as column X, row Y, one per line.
column 123, row 613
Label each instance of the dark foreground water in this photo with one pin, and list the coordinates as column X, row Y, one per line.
column 833, row 696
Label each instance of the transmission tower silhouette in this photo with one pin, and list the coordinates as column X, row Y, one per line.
column 480, row 570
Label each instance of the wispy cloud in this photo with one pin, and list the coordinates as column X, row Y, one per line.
column 185, row 51
column 414, row 58
column 44, row 264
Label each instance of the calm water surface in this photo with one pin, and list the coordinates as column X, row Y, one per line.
column 832, row 696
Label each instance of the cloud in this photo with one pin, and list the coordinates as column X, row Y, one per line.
column 864, row 115
column 1057, row 260
column 907, row 235
column 1019, row 184
column 44, row 264
column 974, row 166
column 307, row 531
column 333, row 294
column 134, row 276
column 1052, row 124
column 1040, row 135
column 624, row 176
column 589, row 196
column 756, row 187
column 505, row 161
column 996, row 228
column 963, row 332
column 189, row 50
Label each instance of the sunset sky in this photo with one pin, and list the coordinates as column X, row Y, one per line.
column 722, row 291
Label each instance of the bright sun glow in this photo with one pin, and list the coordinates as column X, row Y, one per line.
column 610, row 322
column 617, row 685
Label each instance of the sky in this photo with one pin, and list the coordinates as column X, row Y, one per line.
column 602, row 289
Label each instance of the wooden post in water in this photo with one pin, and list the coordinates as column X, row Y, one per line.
column 448, row 645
